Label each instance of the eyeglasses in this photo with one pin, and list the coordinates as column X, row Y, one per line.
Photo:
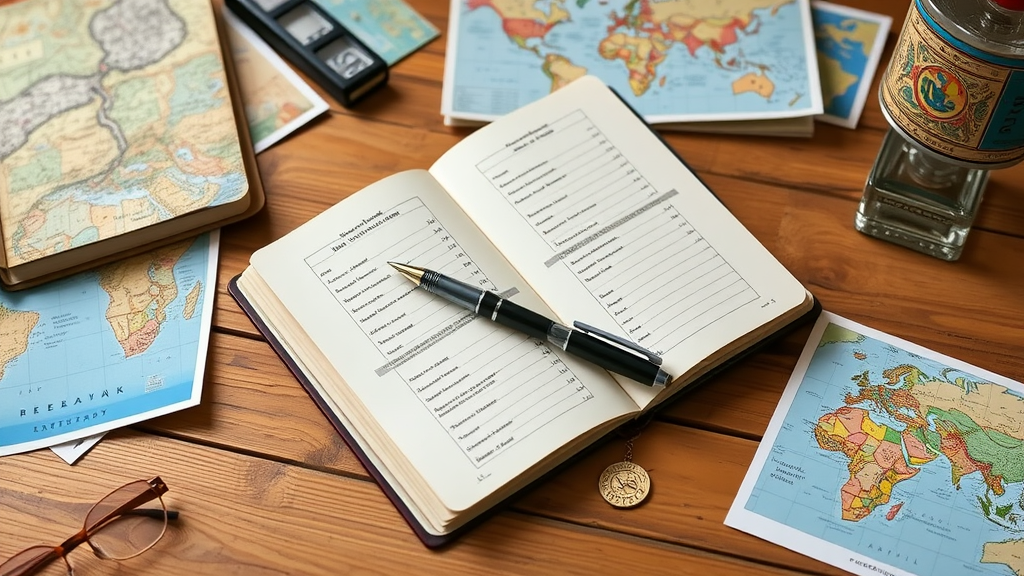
column 115, row 528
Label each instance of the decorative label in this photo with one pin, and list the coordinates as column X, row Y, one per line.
column 954, row 98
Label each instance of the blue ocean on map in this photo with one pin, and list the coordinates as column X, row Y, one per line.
column 391, row 28
column 851, row 55
column 929, row 526
column 494, row 76
column 74, row 368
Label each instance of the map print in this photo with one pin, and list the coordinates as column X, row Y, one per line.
column 905, row 461
column 277, row 101
column 105, row 348
column 391, row 28
column 114, row 115
column 849, row 44
column 672, row 60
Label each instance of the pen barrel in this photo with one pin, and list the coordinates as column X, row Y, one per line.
column 612, row 358
column 508, row 313
column 452, row 290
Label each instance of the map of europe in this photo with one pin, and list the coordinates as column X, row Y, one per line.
column 114, row 115
column 673, row 60
column 904, row 460
column 104, row 344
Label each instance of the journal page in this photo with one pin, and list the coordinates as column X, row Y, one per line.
column 437, row 392
column 610, row 228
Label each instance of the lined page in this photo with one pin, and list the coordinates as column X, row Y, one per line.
column 470, row 403
column 486, row 386
column 619, row 236
column 612, row 229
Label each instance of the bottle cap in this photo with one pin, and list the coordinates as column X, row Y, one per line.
column 1011, row 4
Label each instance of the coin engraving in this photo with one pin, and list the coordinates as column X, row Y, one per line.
column 624, row 484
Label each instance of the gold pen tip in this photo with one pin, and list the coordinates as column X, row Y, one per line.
column 411, row 272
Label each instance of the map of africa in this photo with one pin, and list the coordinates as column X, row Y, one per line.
column 672, row 60
column 900, row 458
column 103, row 346
column 114, row 115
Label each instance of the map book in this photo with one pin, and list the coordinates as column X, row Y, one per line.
column 885, row 457
column 741, row 66
column 120, row 129
column 571, row 206
column 108, row 347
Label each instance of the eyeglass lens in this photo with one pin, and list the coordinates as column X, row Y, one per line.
column 124, row 536
column 21, row 563
column 131, row 533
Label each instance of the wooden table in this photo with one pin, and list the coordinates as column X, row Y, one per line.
column 265, row 486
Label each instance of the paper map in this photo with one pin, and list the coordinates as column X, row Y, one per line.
column 277, row 101
column 106, row 348
column 673, row 61
column 884, row 457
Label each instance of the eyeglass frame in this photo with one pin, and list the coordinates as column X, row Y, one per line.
column 157, row 488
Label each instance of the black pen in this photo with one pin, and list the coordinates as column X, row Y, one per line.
column 606, row 350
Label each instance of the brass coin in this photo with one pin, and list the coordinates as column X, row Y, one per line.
column 624, row 484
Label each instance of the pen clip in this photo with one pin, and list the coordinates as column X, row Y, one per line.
column 598, row 333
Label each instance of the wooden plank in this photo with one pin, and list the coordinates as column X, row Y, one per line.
column 244, row 515
column 695, row 476
column 252, row 403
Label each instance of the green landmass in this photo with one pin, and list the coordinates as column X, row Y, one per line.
column 136, row 105
column 1004, row 453
column 836, row 334
column 986, row 504
column 1004, row 511
column 44, row 167
column 263, row 128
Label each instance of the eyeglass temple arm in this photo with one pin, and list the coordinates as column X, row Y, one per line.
column 154, row 513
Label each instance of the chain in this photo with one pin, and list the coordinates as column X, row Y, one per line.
column 629, row 446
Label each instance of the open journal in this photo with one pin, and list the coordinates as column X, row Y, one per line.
column 570, row 206
column 118, row 132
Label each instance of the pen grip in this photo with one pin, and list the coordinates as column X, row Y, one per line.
column 611, row 357
column 508, row 313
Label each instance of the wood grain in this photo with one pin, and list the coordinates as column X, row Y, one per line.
column 266, row 487
column 251, row 516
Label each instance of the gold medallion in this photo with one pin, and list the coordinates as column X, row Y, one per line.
column 624, row 484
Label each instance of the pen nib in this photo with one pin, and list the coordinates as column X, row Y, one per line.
column 411, row 272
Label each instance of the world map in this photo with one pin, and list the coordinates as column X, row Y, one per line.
column 104, row 345
column 114, row 115
column 673, row 60
column 907, row 461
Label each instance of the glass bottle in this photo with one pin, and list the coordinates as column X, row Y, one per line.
column 953, row 94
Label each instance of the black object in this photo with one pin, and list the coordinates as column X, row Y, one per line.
column 317, row 44
column 605, row 350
